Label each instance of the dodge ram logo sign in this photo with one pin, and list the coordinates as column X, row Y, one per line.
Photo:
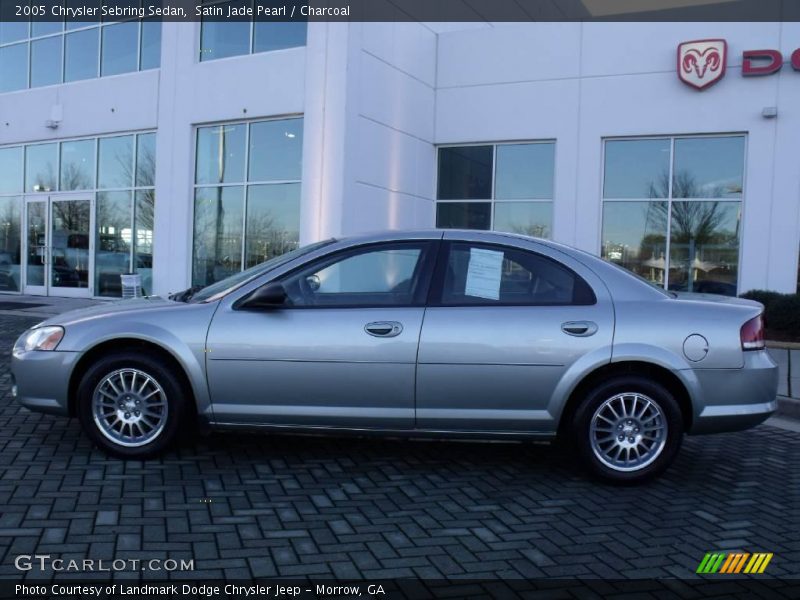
column 702, row 62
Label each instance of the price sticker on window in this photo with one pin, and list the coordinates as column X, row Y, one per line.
column 484, row 273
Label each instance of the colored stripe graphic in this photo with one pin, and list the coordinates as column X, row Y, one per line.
column 734, row 562
column 759, row 562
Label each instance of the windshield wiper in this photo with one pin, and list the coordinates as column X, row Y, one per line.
column 187, row 294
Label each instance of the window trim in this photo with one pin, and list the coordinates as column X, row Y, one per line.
column 100, row 26
column 669, row 199
column 437, row 288
column 194, row 186
column 430, row 252
column 493, row 200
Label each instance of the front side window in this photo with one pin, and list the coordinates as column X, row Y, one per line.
column 505, row 187
column 221, row 37
column 478, row 274
column 246, row 196
column 672, row 210
column 51, row 52
column 386, row 275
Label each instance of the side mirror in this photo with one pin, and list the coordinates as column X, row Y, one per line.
column 272, row 295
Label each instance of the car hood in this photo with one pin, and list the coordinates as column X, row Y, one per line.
column 106, row 309
column 717, row 298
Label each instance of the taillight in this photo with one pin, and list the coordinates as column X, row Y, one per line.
column 752, row 334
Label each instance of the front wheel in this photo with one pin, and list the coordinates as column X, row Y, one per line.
column 130, row 405
column 628, row 429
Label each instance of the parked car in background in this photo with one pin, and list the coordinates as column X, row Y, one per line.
column 433, row 333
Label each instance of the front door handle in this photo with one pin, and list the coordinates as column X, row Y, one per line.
column 579, row 328
column 384, row 328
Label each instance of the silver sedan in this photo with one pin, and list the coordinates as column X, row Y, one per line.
column 442, row 333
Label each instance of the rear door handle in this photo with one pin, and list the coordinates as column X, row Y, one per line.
column 384, row 328
column 579, row 328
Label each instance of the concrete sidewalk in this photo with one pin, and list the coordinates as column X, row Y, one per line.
column 41, row 306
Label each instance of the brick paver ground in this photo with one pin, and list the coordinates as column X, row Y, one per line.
column 250, row 505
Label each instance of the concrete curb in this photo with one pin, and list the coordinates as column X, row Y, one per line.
column 788, row 407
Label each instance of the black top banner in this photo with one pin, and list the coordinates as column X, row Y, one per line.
column 401, row 10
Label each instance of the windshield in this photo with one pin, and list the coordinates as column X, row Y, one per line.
column 227, row 285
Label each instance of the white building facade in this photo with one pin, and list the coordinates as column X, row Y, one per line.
column 190, row 151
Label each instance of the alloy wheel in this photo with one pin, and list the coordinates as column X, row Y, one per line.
column 129, row 407
column 628, row 432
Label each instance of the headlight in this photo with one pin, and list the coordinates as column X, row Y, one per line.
column 39, row 338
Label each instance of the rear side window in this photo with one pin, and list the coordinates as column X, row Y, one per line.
column 479, row 274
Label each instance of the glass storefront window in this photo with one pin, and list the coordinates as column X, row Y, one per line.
column 80, row 54
column 635, row 237
column 220, row 154
column 273, row 222
column 221, row 39
column 704, row 247
column 515, row 179
column 636, row 169
column 236, row 38
column 146, row 159
column 464, row 215
column 13, row 67
column 150, row 53
column 270, row 35
column 41, row 161
column 526, row 218
column 112, row 242
column 52, row 52
column 101, row 168
column 465, row 173
column 115, row 166
column 120, row 47
column 10, row 259
column 276, row 150
column 143, row 225
column 217, row 233
column 77, row 165
column 681, row 228
column 11, row 160
column 708, row 167
column 46, row 61
column 266, row 192
column 524, row 171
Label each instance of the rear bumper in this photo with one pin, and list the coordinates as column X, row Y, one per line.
column 736, row 399
column 41, row 380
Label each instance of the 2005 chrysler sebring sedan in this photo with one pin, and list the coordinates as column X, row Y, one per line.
column 463, row 333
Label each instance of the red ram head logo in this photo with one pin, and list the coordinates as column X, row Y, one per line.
column 702, row 62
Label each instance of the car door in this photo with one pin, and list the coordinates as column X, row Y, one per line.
column 340, row 352
column 504, row 327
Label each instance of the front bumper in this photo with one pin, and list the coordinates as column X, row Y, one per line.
column 737, row 399
column 42, row 380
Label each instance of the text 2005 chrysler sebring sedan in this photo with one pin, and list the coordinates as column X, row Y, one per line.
column 471, row 334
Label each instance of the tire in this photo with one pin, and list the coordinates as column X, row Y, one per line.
column 131, row 405
column 650, row 425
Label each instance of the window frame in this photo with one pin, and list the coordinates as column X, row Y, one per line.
column 423, row 272
column 246, row 184
column 669, row 199
column 493, row 200
column 198, row 55
column 100, row 25
column 436, row 291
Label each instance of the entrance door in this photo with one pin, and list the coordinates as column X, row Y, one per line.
column 59, row 246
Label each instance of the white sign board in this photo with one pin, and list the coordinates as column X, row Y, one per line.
column 484, row 273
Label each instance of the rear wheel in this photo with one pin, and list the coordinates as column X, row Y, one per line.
column 131, row 405
column 628, row 429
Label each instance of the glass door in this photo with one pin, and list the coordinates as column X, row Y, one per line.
column 59, row 246
column 36, row 247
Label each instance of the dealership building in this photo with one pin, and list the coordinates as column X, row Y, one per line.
column 190, row 151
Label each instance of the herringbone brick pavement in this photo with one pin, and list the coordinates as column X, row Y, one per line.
column 257, row 506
